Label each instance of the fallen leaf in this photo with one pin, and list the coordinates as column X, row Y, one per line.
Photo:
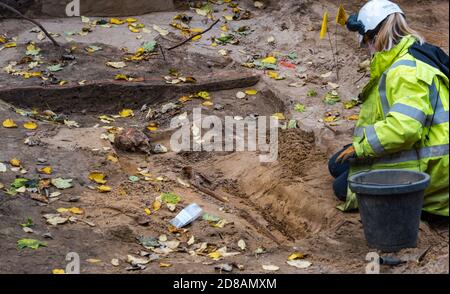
column 270, row 267
column 156, row 205
column 147, row 211
column 57, row 271
column 274, row 75
column 279, row 116
column 207, row 103
column 296, row 255
column 160, row 30
column 55, row 219
column 240, row 95
column 170, row 198
column 97, row 177
column 251, row 92
column 301, row 264
column 93, row 260
column 242, row 245
column 162, row 264
column 46, row 170
column 55, row 68
column 61, row 183
column 126, row 113
column 137, row 260
column 115, row 262
column 104, row 189
column 116, row 21
column 9, row 123
column 353, row 117
column 300, row 108
column 30, row 243
column 269, row 60
column 191, row 241
column 332, row 98
column 113, row 158
column 216, row 255
column 15, row 162
column 116, row 65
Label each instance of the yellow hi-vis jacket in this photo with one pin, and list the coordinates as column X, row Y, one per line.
column 403, row 123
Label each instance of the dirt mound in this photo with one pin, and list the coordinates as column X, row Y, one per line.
column 297, row 151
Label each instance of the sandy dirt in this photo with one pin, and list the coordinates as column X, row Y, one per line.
column 277, row 208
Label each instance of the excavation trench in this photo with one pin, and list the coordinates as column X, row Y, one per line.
column 286, row 212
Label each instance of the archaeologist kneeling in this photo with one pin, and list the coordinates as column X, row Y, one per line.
column 403, row 122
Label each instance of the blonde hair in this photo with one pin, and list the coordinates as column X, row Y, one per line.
column 392, row 32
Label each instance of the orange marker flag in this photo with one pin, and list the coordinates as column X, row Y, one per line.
column 324, row 29
column 341, row 17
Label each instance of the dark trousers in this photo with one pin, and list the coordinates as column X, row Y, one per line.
column 340, row 173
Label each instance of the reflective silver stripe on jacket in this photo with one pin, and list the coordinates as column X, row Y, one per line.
column 374, row 141
column 382, row 85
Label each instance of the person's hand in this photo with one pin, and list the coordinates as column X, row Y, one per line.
column 346, row 155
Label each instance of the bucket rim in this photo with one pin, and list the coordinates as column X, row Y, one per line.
column 374, row 189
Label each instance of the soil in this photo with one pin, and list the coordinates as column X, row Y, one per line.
column 282, row 206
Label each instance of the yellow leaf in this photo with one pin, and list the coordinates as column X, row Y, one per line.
column 296, row 255
column 58, row 271
column 76, row 210
column 216, row 255
column 152, row 127
column 341, row 17
column 204, row 95
column 10, row 45
column 46, row 170
column 270, row 60
column 9, row 123
column 147, row 211
column 228, row 17
column 116, row 21
column 30, row 125
column 126, row 113
column 207, row 103
column 251, row 92
column 133, row 29
column 15, row 162
column 274, row 75
column 92, row 260
column 156, row 205
column 112, row 158
column 97, row 177
column 353, row 117
column 279, row 116
column 120, row 77
column 62, row 210
column 104, row 189
column 324, row 29
column 184, row 99
column 330, row 119
column 2, row 39
column 224, row 28
column 198, row 37
column 162, row 264
column 131, row 20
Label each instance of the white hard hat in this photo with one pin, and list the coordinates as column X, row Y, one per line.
column 374, row 12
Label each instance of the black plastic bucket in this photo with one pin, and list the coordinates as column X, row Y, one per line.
column 390, row 203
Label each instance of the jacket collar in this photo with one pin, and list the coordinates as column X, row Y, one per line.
column 383, row 60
